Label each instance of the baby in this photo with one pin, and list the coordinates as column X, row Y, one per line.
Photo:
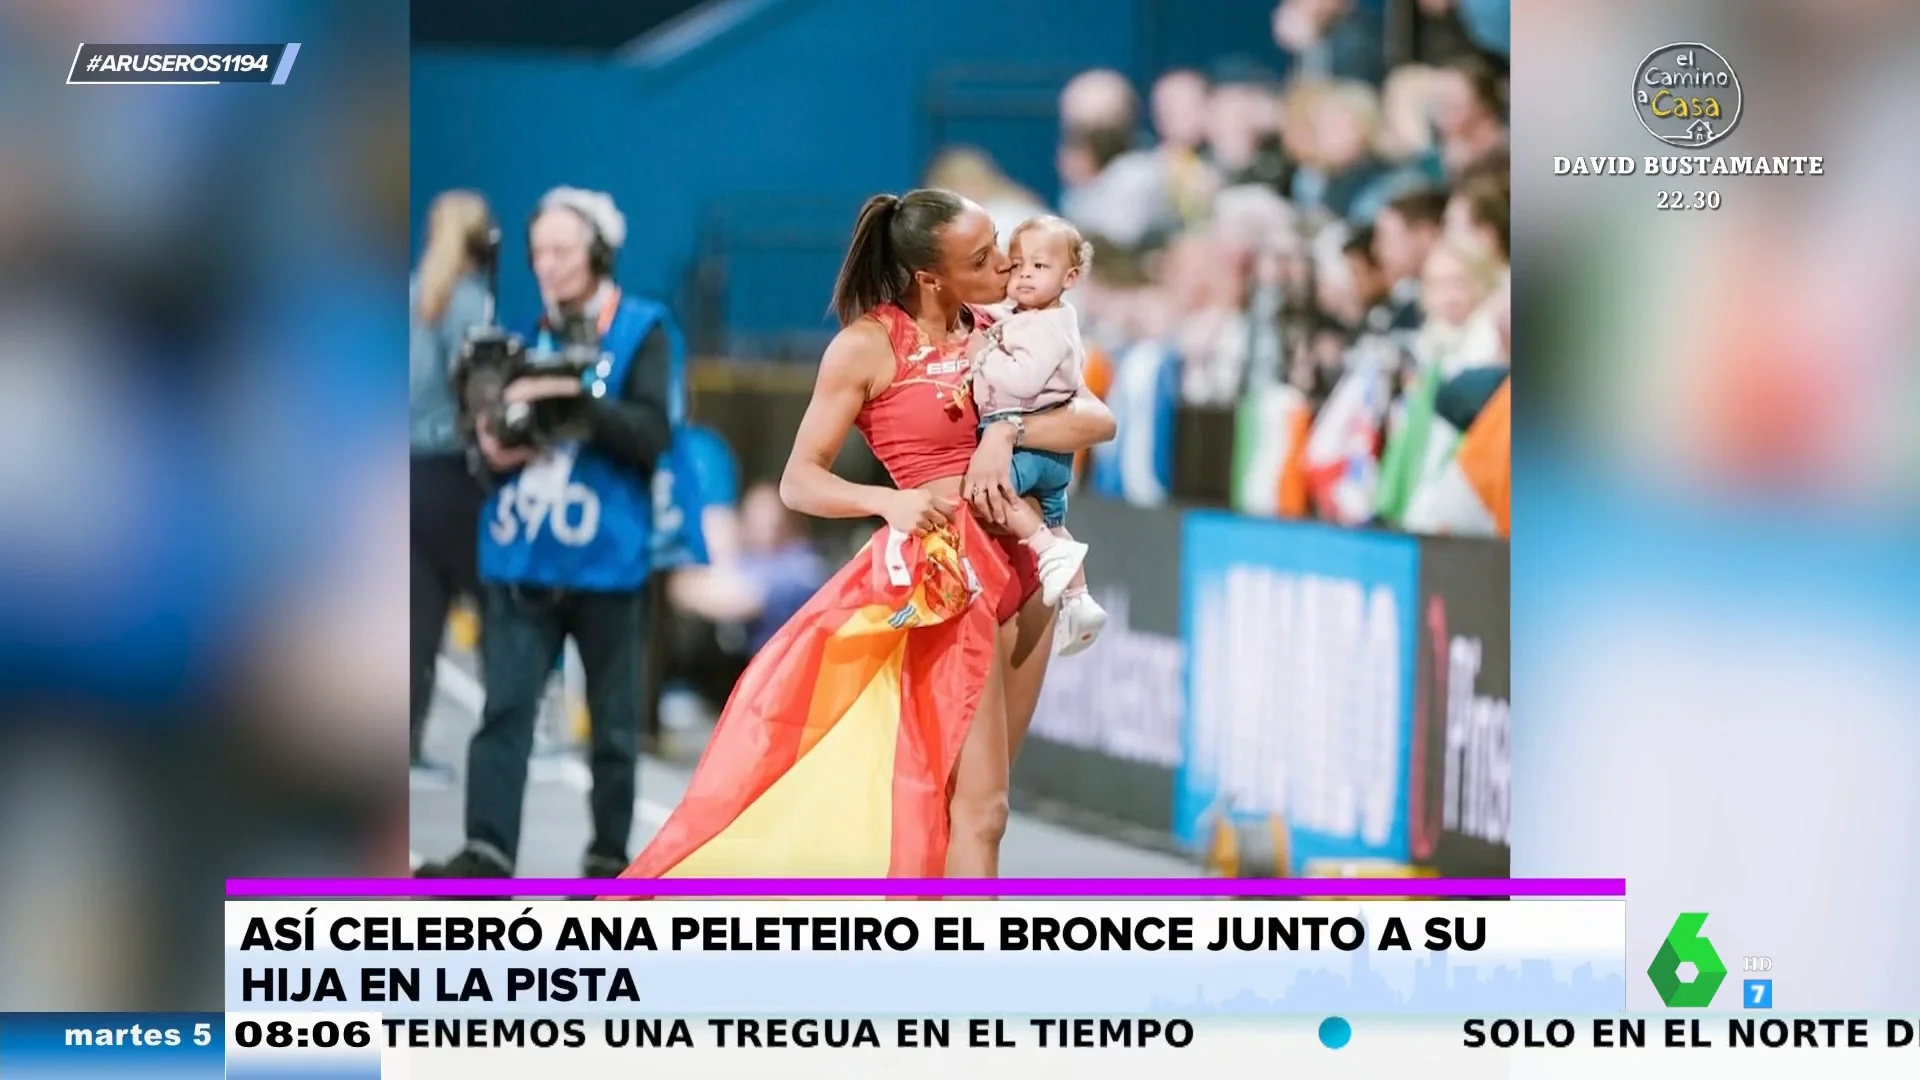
column 1028, row 361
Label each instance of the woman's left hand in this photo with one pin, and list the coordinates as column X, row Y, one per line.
column 989, row 481
column 542, row 387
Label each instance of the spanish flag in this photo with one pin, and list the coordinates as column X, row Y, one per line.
column 834, row 753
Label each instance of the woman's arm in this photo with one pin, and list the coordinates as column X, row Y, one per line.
column 1082, row 422
column 848, row 372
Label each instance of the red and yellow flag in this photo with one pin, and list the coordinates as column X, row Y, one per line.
column 833, row 755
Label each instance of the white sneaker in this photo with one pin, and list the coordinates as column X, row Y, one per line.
column 1058, row 565
column 1080, row 621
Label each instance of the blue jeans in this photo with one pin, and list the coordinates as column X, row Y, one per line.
column 525, row 629
column 1043, row 474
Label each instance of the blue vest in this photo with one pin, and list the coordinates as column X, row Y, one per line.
column 592, row 530
column 698, row 472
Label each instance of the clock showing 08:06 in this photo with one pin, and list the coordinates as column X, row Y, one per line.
column 343, row 1045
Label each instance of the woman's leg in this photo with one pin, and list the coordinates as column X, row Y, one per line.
column 1027, row 643
column 977, row 809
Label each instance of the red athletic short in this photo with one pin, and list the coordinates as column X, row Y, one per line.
column 1025, row 581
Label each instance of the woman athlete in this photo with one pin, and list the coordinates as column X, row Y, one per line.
column 916, row 266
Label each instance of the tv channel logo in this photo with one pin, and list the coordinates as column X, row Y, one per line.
column 1685, row 944
column 1757, row 993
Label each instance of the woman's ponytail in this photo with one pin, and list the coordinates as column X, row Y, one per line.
column 894, row 237
column 871, row 275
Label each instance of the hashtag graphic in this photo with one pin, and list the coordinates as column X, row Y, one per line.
column 190, row 65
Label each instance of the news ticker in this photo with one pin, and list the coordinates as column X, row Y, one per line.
column 345, row 1045
column 183, row 65
column 356, row 989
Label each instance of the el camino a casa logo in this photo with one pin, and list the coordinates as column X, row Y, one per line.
column 1687, row 95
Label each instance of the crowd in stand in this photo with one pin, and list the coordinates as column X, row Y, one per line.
column 1324, row 254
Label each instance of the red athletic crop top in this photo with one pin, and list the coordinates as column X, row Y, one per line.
column 923, row 426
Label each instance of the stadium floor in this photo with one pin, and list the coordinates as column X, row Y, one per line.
column 555, row 830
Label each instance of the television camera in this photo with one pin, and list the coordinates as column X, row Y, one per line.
column 492, row 359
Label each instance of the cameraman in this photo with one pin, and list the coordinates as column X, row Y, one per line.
column 566, row 540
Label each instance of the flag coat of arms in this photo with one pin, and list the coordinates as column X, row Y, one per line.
column 834, row 753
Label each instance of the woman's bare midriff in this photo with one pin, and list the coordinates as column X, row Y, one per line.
column 948, row 486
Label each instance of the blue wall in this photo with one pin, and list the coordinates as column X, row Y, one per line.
column 822, row 98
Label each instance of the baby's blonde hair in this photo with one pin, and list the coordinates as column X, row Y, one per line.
column 1079, row 251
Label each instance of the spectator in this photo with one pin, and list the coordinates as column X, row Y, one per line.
column 1496, row 163
column 1458, row 333
column 1470, row 492
column 1436, row 32
column 1099, row 100
column 1181, row 101
column 1096, row 125
column 1478, row 217
column 1318, row 368
column 1084, row 155
column 1370, row 285
column 1243, row 130
column 1487, row 23
column 1337, row 163
column 1262, row 275
column 1403, row 237
column 1406, row 107
column 780, row 569
column 1457, row 336
column 1461, row 398
column 1208, row 284
column 972, row 174
column 1352, row 262
column 731, row 607
column 1331, row 38
column 1469, row 112
column 1252, row 217
column 567, row 548
column 1116, row 194
column 1337, row 295
column 447, row 297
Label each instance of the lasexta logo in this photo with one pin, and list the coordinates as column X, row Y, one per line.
column 1686, row 945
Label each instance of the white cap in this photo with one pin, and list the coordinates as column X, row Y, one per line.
column 596, row 206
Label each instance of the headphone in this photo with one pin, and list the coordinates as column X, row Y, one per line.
column 599, row 252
